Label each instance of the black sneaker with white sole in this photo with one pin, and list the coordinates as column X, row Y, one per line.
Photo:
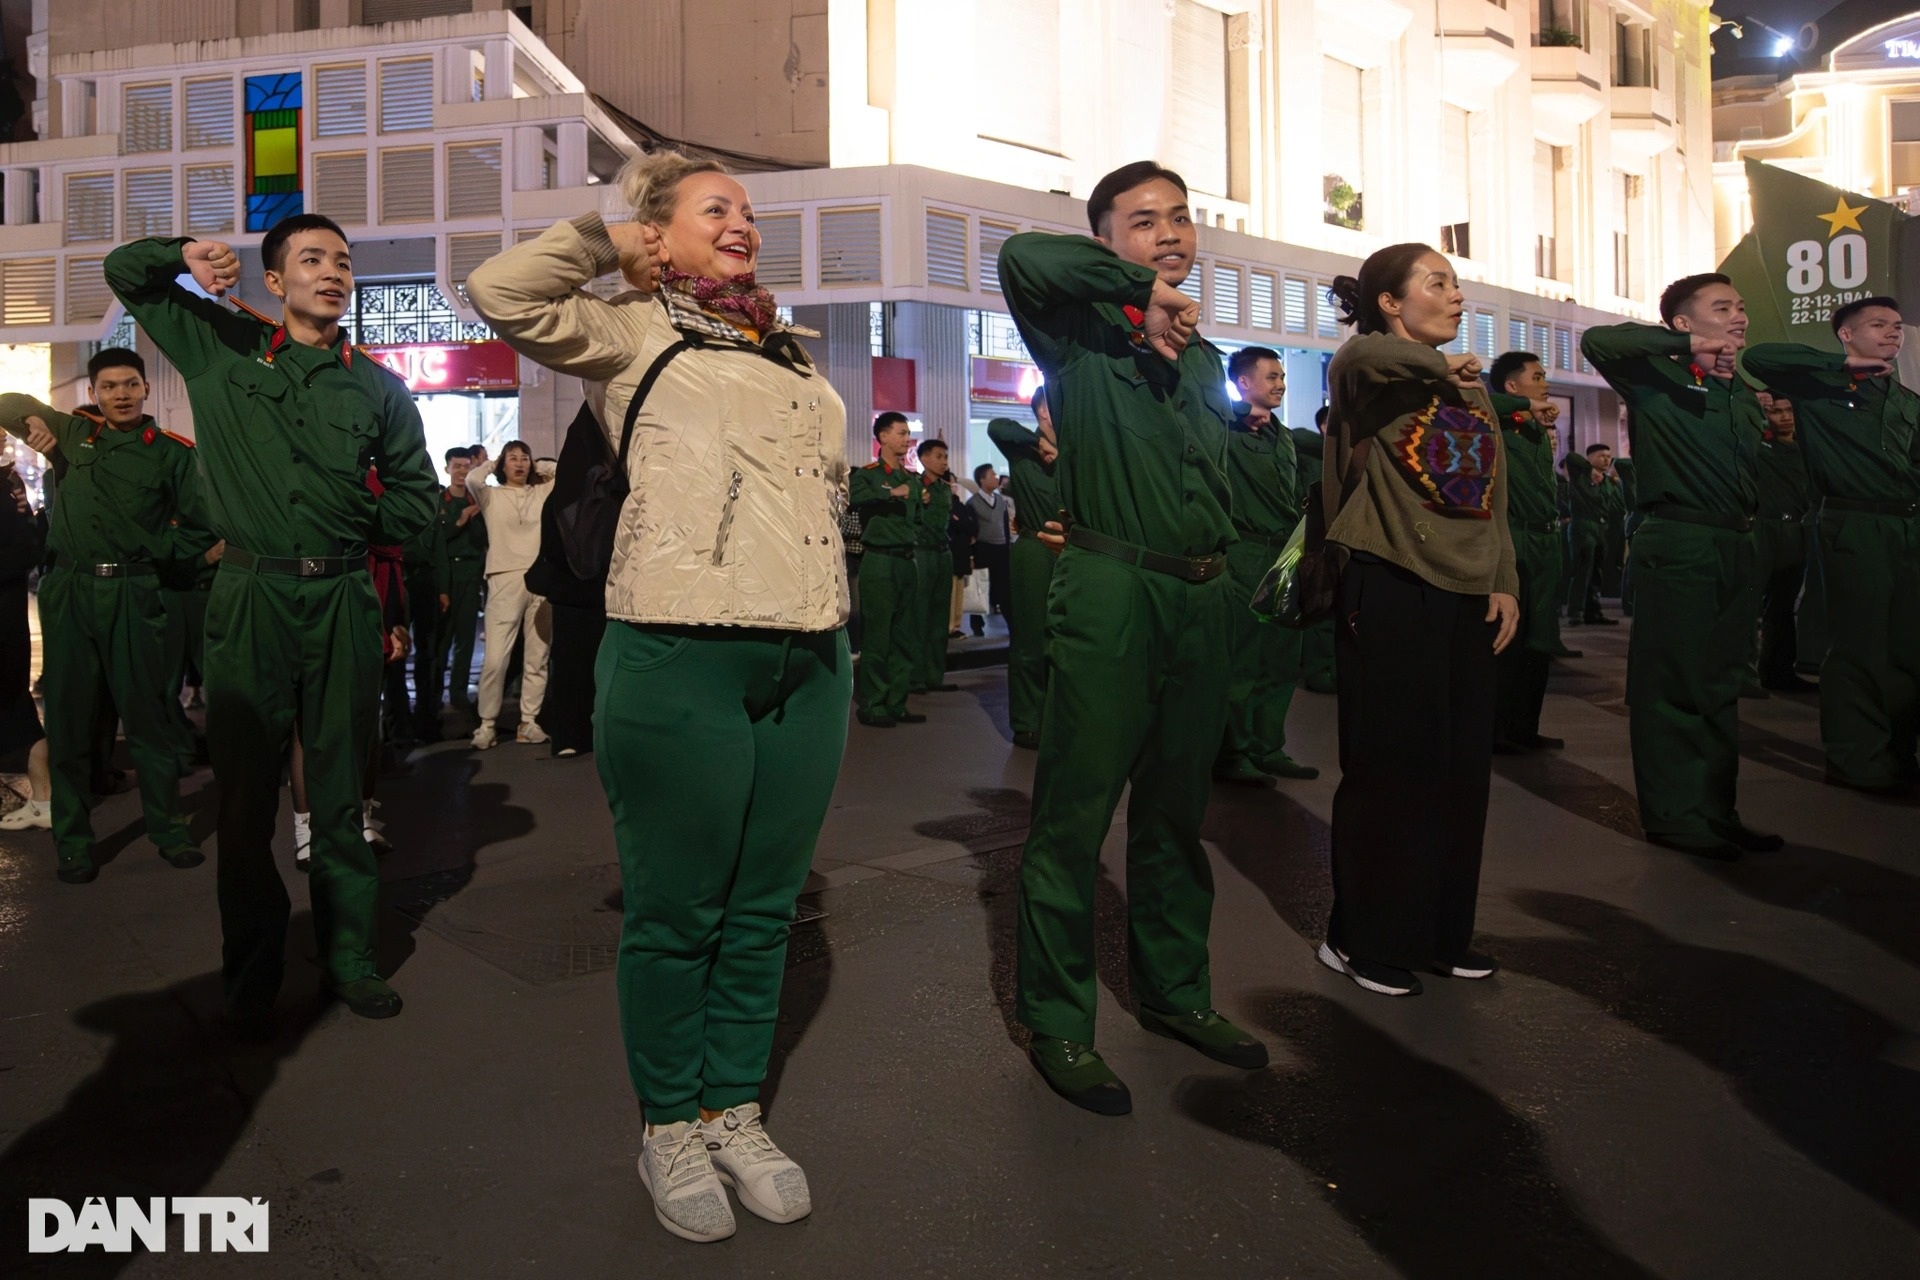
column 1381, row 978
column 1469, row 965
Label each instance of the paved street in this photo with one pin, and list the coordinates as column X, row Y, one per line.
column 1685, row 1070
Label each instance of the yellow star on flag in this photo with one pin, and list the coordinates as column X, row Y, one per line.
column 1843, row 218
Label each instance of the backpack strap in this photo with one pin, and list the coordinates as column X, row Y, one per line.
column 640, row 393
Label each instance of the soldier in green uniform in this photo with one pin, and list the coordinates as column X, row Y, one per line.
column 459, row 574
column 129, row 511
column 289, row 419
column 1316, row 642
column 889, row 498
column 1694, row 438
column 1593, row 498
column 933, row 572
column 1860, row 428
column 1629, row 525
column 1780, row 543
column 1518, row 383
column 1263, row 475
column 1136, row 627
column 1030, row 458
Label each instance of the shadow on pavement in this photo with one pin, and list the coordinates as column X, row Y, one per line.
column 1437, row 1175
column 158, row 1117
column 1280, row 845
column 1802, row 1057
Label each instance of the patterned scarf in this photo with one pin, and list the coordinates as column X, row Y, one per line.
column 738, row 299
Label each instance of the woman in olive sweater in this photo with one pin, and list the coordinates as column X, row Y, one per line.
column 1427, row 599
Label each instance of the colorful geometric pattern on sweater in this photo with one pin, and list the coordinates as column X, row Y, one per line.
column 1448, row 452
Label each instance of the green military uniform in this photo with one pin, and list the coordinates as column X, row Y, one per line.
column 1316, row 642
column 1534, row 523
column 129, row 511
column 1694, row 438
column 1030, row 565
column 1862, row 446
column 1594, row 507
column 459, row 573
column 1780, row 545
column 185, row 593
column 286, row 435
column 417, row 558
column 1629, row 525
column 1263, row 476
column 933, row 587
column 1136, row 634
column 889, row 586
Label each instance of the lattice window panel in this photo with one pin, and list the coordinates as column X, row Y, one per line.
column 209, row 113
column 947, row 249
column 406, row 95
column 146, row 120
column 89, row 207
column 406, row 184
column 849, row 247
column 88, row 296
column 473, row 180
column 391, row 314
column 340, row 101
column 779, row 263
column 340, row 186
column 26, row 291
column 148, row 208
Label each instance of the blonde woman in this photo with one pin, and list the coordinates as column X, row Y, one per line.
column 723, row 682
column 512, row 512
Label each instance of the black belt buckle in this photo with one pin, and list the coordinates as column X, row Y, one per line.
column 1206, row 568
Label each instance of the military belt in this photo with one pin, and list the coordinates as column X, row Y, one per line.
column 295, row 566
column 1186, row 568
column 1871, row 508
column 121, row 569
column 1689, row 515
column 1535, row 526
column 897, row 553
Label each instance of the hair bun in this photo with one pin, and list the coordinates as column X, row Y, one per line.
column 1344, row 293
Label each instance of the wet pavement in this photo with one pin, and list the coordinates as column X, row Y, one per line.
column 1686, row 1069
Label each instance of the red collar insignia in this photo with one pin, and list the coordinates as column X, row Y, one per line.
column 147, row 436
column 1699, row 374
column 1135, row 316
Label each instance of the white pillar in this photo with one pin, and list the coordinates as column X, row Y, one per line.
column 573, row 153
column 499, row 69
column 529, row 149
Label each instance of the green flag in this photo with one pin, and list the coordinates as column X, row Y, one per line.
column 1813, row 248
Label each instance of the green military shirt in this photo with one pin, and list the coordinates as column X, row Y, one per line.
column 1036, row 500
column 1694, row 437
column 417, row 552
column 452, row 540
column 930, row 531
column 1860, row 439
column 1531, row 501
column 1786, row 491
column 887, row 523
column 128, row 496
column 286, row 432
column 1263, row 476
column 1143, row 439
column 1309, row 452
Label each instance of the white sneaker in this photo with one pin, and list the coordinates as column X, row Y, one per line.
column 484, row 737
column 30, row 815
column 370, row 830
column 770, row 1185
column 678, row 1173
column 530, row 732
column 302, row 840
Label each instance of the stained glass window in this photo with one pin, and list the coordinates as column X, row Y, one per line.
column 276, row 177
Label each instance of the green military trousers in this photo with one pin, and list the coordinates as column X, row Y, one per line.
column 1030, row 565
column 451, row 651
column 1586, row 543
column 1693, row 625
column 108, row 636
column 1521, row 671
column 718, row 748
column 933, row 568
column 282, row 648
column 1136, row 693
column 1779, row 573
column 1870, row 678
column 889, row 598
column 1265, row 664
column 186, row 645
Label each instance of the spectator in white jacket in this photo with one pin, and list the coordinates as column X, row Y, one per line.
column 512, row 509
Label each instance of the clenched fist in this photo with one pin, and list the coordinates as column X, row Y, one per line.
column 214, row 266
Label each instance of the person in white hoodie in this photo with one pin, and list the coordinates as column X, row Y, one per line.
column 512, row 512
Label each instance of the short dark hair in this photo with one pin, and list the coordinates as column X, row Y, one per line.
column 1596, row 448
column 1843, row 314
column 460, row 451
column 521, row 445
column 884, row 420
column 1244, row 360
column 1509, row 364
column 1385, row 271
column 925, row 447
column 1678, row 294
column 1123, row 180
column 981, row 470
column 116, row 358
column 1320, row 418
column 273, row 249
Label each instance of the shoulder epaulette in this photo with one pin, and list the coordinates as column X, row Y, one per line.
column 871, row 465
column 97, row 419
column 177, row 438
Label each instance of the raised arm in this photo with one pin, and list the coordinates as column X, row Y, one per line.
column 477, row 481
column 189, row 329
column 1797, row 372
column 1380, row 359
column 534, row 297
column 16, row 408
column 1013, row 439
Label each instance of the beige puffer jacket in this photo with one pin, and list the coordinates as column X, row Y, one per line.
column 737, row 466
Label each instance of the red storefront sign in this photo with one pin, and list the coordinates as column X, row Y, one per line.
column 998, row 381
column 452, row 366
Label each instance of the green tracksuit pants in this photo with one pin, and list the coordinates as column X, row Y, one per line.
column 281, row 648
column 1030, row 566
column 718, row 748
column 1265, row 663
column 109, row 635
column 1870, row 679
column 934, row 605
column 451, row 650
column 889, row 599
column 1136, row 693
column 1693, row 624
